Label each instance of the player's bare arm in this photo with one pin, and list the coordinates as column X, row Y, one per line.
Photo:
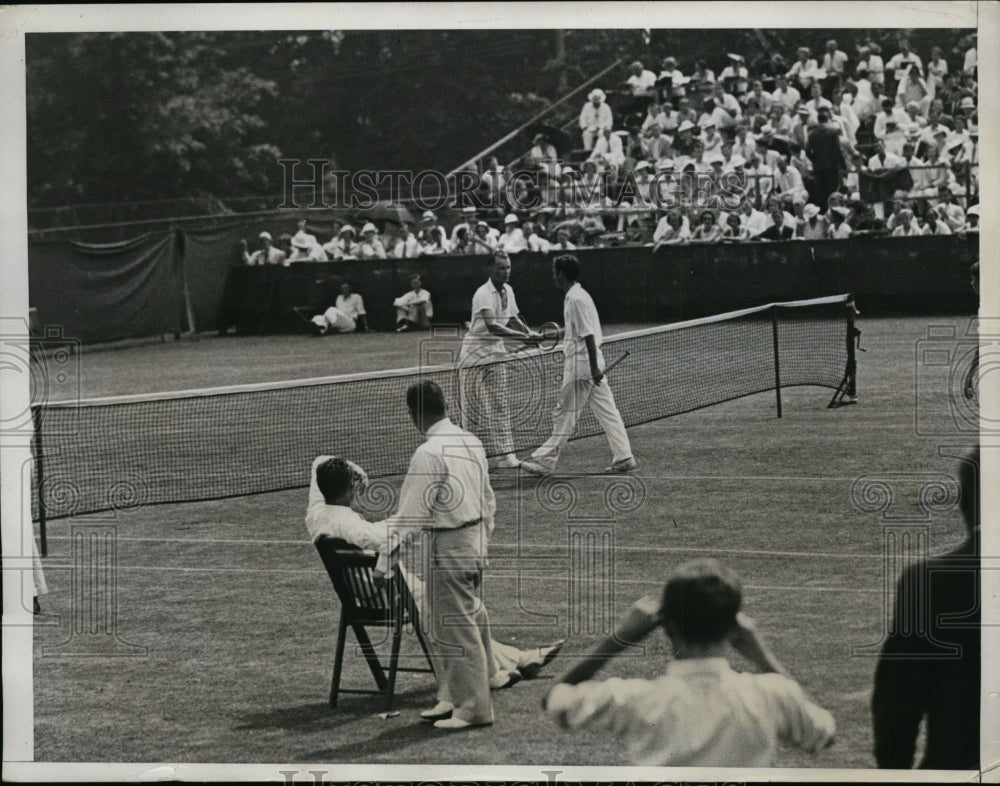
column 595, row 370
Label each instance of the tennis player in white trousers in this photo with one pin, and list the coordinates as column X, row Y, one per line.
column 483, row 381
column 583, row 378
column 447, row 493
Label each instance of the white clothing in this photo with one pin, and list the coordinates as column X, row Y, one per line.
column 700, row 713
column 408, row 304
column 352, row 305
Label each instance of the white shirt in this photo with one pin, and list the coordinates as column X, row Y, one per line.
column 337, row 521
column 352, row 305
column 596, row 117
column 643, row 82
column 789, row 97
column 513, row 242
column 756, row 222
column 840, row 231
column 580, row 320
column 700, row 713
column 406, row 248
column 412, row 299
column 899, row 60
column 479, row 341
column 447, row 483
column 834, row 62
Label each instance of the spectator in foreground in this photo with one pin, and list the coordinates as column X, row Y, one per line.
column 930, row 662
column 700, row 713
column 267, row 254
column 414, row 309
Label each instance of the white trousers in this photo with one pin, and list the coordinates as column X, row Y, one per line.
column 484, row 400
column 573, row 396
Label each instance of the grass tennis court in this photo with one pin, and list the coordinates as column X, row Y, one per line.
column 239, row 619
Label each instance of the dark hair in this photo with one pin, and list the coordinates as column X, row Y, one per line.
column 334, row 477
column 426, row 398
column 701, row 600
column 568, row 265
column 968, row 479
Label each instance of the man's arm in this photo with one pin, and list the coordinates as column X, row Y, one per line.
column 595, row 371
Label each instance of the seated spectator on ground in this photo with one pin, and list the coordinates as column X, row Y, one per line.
column 594, row 117
column 305, row 251
column 701, row 713
column 512, row 241
column 708, row 229
column 414, row 309
column 267, row 254
column 839, row 229
column 432, row 237
column 812, row 226
column 347, row 316
column 371, row 245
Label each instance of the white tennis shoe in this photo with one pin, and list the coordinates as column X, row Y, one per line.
column 625, row 465
column 534, row 468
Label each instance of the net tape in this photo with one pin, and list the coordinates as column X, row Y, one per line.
column 128, row 451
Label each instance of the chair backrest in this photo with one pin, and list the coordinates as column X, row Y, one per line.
column 350, row 570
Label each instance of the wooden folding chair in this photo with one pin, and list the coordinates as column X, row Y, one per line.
column 363, row 605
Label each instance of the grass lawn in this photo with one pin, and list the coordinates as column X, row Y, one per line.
column 238, row 619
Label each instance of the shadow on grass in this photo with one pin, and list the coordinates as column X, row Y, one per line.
column 396, row 736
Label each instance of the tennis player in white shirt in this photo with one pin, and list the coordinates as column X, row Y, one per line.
column 483, row 376
column 583, row 378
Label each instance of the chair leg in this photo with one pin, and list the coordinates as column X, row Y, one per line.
column 338, row 661
column 397, row 636
column 371, row 657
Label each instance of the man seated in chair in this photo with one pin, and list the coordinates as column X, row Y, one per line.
column 414, row 309
column 331, row 491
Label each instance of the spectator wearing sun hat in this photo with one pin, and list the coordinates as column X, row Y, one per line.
column 838, row 228
column 267, row 254
column 432, row 236
column 803, row 70
column 735, row 75
column 371, row 246
column 595, row 116
column 305, row 251
column 812, row 226
column 512, row 241
column 672, row 78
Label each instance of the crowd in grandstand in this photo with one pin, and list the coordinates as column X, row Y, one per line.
column 825, row 146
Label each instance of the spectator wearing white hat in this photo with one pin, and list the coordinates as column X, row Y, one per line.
column 673, row 78
column 305, row 251
column 906, row 224
column 595, row 116
column 803, row 70
column 512, row 241
column 484, row 240
column 834, row 60
column 711, row 139
column 414, row 309
column 371, row 245
column 971, row 220
column 839, row 229
column 812, row 226
column 342, row 245
column 735, row 75
column 432, row 238
column 468, row 223
column 267, row 254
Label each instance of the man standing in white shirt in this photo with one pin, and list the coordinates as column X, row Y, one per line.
column 447, row 495
column 483, row 374
column 700, row 713
column 329, row 515
column 583, row 378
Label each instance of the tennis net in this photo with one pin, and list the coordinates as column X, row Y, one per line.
column 128, row 451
